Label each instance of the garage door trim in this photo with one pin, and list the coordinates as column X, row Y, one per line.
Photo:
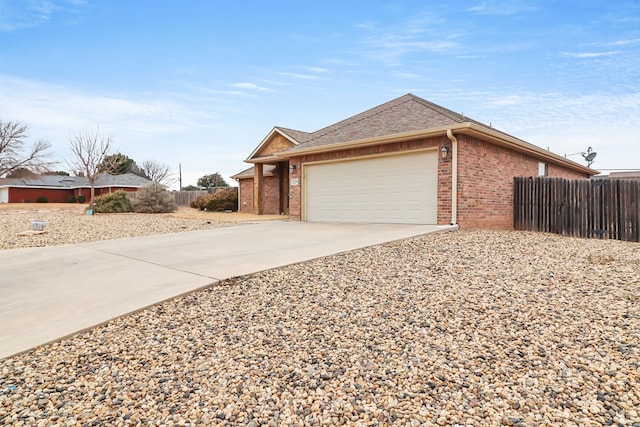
column 305, row 165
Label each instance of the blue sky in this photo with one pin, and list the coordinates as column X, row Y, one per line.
column 202, row 82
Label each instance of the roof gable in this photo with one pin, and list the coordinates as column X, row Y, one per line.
column 404, row 114
column 279, row 139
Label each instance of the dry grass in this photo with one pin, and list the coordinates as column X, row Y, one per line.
column 182, row 212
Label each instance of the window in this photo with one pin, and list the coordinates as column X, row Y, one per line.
column 542, row 169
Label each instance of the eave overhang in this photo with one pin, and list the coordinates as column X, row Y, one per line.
column 467, row 128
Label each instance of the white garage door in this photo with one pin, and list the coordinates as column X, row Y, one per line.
column 391, row 189
column 4, row 195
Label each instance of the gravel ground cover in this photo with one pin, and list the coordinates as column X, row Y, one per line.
column 70, row 225
column 465, row 328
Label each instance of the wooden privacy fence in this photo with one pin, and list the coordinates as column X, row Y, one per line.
column 601, row 208
column 184, row 198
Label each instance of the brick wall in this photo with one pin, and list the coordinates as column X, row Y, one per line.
column 57, row 195
column 245, row 204
column 444, row 188
column 485, row 182
column 30, row 195
column 560, row 172
column 271, row 195
column 295, row 191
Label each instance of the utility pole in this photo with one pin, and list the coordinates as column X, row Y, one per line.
column 180, row 174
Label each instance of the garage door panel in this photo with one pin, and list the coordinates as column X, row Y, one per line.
column 392, row 189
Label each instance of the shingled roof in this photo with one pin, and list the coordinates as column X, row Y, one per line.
column 57, row 181
column 249, row 173
column 405, row 117
column 404, row 114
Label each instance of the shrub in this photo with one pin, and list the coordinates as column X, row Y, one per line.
column 154, row 198
column 223, row 200
column 71, row 199
column 42, row 199
column 116, row 202
column 80, row 198
column 201, row 202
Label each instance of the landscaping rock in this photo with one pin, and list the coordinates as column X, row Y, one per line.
column 464, row 328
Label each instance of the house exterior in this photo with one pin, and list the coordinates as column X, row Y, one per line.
column 405, row 161
column 624, row 175
column 62, row 189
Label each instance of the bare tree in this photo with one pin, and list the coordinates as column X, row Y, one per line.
column 158, row 172
column 14, row 154
column 90, row 151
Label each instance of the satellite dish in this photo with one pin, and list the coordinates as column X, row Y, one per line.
column 589, row 156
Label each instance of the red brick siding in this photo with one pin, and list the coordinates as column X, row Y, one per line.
column 560, row 172
column 30, row 195
column 485, row 182
column 295, row 191
column 271, row 195
column 246, row 195
column 57, row 195
column 444, row 189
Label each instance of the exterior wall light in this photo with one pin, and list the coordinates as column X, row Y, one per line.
column 292, row 168
column 444, row 151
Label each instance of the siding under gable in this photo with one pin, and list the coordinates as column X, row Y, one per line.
column 275, row 144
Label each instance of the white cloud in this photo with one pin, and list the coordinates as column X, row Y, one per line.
column 406, row 75
column 251, row 86
column 18, row 15
column 204, row 128
column 15, row 16
column 622, row 42
column 299, row 76
column 318, row 70
column 502, row 7
column 581, row 55
column 422, row 32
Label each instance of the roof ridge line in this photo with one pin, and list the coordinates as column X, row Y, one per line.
column 361, row 119
column 443, row 110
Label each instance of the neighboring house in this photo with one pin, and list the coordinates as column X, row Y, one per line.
column 405, row 161
column 623, row 175
column 61, row 189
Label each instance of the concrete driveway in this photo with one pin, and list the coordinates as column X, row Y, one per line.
column 52, row 292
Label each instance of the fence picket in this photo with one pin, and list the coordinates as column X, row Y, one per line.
column 605, row 209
